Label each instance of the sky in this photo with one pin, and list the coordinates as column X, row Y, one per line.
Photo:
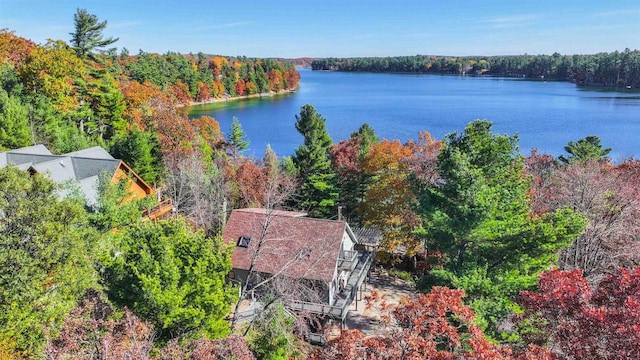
column 347, row 28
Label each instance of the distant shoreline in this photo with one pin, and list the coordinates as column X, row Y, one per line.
column 235, row 98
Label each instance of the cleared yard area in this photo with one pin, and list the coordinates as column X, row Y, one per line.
column 391, row 289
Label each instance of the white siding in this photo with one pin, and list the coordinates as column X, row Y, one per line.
column 347, row 243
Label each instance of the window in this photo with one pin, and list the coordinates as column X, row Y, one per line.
column 243, row 241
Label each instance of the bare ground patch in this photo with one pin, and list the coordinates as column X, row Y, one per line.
column 392, row 291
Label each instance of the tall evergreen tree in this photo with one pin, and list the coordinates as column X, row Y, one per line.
column 88, row 33
column 351, row 180
column 237, row 137
column 366, row 139
column 479, row 217
column 318, row 191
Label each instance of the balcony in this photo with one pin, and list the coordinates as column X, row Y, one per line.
column 361, row 261
column 348, row 260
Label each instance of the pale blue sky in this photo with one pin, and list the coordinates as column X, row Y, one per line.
column 289, row 28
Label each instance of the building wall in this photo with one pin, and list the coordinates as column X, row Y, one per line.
column 347, row 243
column 135, row 186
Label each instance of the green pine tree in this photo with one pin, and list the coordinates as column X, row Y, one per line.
column 88, row 33
column 584, row 149
column 318, row 190
column 366, row 139
column 479, row 216
column 237, row 138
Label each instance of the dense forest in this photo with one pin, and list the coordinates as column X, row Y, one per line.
column 73, row 99
column 615, row 69
column 509, row 256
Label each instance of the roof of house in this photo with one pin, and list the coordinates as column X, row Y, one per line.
column 95, row 152
column 80, row 167
column 293, row 245
column 367, row 236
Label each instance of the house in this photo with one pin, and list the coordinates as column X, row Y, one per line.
column 81, row 171
column 326, row 253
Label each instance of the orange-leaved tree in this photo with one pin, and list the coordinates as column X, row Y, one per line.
column 140, row 99
column 208, row 129
column 181, row 92
column 389, row 199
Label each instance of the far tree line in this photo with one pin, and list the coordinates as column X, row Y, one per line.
column 614, row 69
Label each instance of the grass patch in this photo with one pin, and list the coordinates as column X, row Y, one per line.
column 403, row 275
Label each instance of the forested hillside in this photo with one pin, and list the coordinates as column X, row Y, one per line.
column 615, row 69
column 509, row 256
column 75, row 98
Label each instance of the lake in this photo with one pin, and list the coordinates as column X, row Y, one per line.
column 545, row 115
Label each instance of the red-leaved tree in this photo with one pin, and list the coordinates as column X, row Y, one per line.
column 430, row 326
column 91, row 332
column 232, row 347
column 585, row 324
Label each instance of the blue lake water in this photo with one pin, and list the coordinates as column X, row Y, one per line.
column 545, row 115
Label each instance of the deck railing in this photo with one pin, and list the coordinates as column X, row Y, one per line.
column 314, row 308
column 349, row 254
column 157, row 211
column 348, row 260
column 341, row 307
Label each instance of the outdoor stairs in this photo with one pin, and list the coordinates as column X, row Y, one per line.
column 341, row 306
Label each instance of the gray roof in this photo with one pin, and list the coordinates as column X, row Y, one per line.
column 32, row 150
column 367, row 236
column 95, row 152
column 79, row 168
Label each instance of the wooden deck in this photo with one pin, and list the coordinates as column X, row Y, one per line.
column 345, row 298
column 159, row 210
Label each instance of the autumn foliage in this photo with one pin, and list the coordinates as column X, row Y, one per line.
column 233, row 347
column 93, row 331
column 436, row 325
column 389, row 201
column 14, row 49
column 90, row 331
column 140, row 100
column 586, row 323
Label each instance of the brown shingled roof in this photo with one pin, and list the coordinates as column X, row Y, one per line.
column 299, row 246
